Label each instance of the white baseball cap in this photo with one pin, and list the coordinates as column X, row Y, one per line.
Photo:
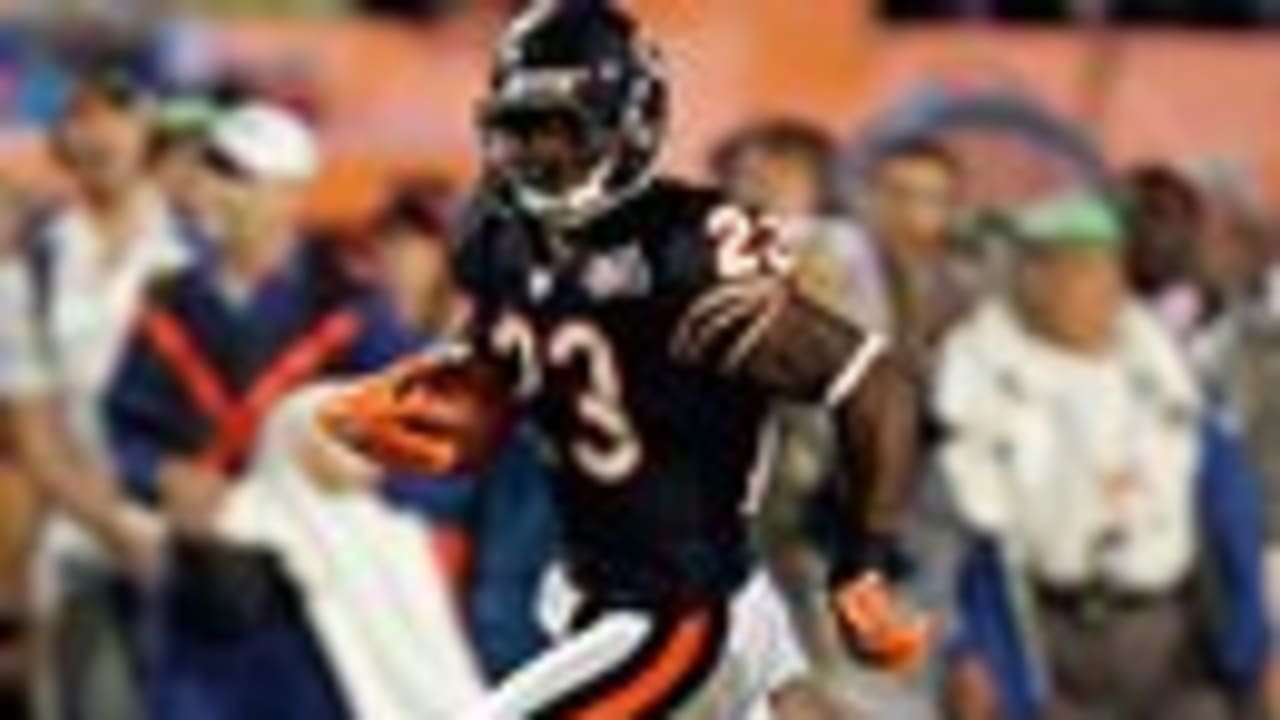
column 268, row 142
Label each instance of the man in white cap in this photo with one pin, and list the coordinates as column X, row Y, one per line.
column 217, row 345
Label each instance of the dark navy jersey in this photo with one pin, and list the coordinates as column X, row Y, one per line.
column 652, row 452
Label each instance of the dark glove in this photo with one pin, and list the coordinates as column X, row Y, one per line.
column 223, row 592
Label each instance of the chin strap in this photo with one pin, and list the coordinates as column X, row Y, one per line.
column 585, row 202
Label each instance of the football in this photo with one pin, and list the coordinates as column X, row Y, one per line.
column 428, row 414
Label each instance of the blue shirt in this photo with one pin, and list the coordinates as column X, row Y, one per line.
column 154, row 410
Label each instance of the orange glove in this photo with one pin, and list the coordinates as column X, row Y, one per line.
column 882, row 633
column 428, row 414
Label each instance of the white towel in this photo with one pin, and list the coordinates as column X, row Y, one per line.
column 379, row 603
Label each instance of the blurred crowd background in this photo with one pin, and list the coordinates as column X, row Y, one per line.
column 1064, row 211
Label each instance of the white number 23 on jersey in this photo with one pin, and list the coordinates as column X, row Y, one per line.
column 746, row 245
column 608, row 448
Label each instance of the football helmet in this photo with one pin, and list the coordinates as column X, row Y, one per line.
column 576, row 111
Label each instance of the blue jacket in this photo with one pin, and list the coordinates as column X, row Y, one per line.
column 1231, row 525
column 195, row 380
column 200, row 371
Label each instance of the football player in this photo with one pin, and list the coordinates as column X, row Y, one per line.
column 645, row 325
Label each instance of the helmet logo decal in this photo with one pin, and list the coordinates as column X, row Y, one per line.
column 561, row 82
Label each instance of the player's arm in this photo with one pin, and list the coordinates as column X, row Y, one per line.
column 754, row 325
column 867, row 388
column 792, row 347
column 437, row 413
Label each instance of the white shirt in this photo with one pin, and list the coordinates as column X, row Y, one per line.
column 1084, row 467
column 72, row 348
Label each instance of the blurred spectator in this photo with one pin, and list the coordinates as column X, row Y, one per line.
column 1245, row 372
column 413, row 255
column 19, row 517
column 216, row 346
column 69, row 295
column 1236, row 344
column 910, row 207
column 1213, row 285
column 1079, row 454
column 1167, row 223
column 787, row 168
column 181, row 124
column 782, row 165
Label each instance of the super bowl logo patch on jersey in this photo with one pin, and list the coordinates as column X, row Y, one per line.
column 623, row 272
column 541, row 283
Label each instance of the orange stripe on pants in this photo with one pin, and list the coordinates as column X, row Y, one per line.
column 672, row 664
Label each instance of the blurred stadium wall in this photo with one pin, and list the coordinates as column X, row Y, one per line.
column 397, row 98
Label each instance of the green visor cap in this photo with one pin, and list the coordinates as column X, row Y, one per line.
column 192, row 115
column 1078, row 221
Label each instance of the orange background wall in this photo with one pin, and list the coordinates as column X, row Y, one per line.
column 396, row 100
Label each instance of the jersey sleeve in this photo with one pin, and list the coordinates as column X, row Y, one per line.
column 744, row 318
column 742, row 315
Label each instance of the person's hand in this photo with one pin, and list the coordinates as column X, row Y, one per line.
column 432, row 414
column 879, row 629
column 139, row 541
column 191, row 495
column 971, row 692
column 331, row 464
column 1271, row 687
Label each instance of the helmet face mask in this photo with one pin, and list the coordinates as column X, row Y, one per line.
column 548, row 155
column 575, row 115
